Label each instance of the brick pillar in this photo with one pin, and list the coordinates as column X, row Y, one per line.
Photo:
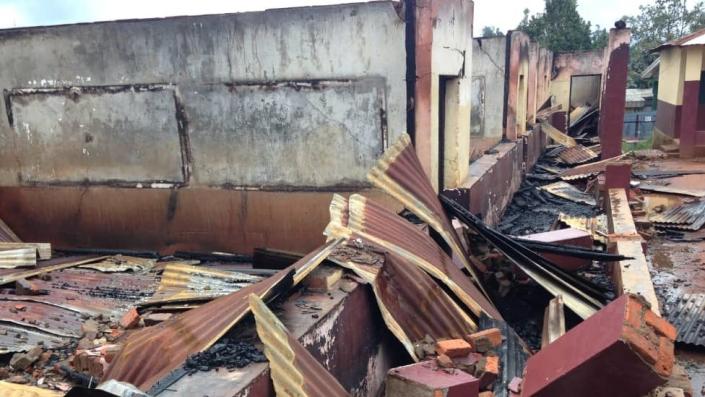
column 614, row 91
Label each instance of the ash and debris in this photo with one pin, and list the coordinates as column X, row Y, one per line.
column 533, row 210
column 228, row 353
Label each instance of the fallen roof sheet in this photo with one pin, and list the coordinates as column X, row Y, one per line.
column 152, row 353
column 578, row 154
column 43, row 249
column 11, row 275
column 596, row 226
column 15, row 338
column 588, row 170
column 121, row 263
column 651, row 187
column 569, row 192
column 18, row 257
column 372, row 222
column 42, row 317
column 558, row 136
column 400, row 174
column 687, row 314
column 294, row 371
column 688, row 216
column 414, row 306
column 7, row 235
column 185, row 283
column 8, row 389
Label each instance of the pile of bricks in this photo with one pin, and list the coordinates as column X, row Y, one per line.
column 463, row 367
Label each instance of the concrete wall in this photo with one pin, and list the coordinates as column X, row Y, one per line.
column 567, row 65
column 443, row 55
column 488, row 85
column 243, row 100
column 517, row 86
column 670, row 94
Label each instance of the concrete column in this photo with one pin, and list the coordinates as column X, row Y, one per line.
column 614, row 91
column 691, row 89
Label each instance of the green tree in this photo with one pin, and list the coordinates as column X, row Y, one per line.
column 657, row 23
column 491, row 31
column 560, row 27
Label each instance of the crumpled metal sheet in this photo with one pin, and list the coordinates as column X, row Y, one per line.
column 8, row 389
column 577, row 155
column 152, row 353
column 7, row 235
column 11, row 275
column 185, row 283
column 400, row 174
column 687, row 314
column 14, row 338
column 120, row 263
column 587, row 170
column 596, row 226
column 652, row 187
column 42, row 317
column 414, row 306
column 294, row 371
column 370, row 222
column 569, row 192
column 687, row 216
column 557, row 135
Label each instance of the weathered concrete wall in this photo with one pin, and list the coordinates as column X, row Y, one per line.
column 488, row 71
column 670, row 94
column 296, row 97
column 443, row 55
column 517, row 86
column 567, row 65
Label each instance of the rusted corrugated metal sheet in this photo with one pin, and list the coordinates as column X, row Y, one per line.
column 557, row 135
column 8, row 389
column 569, row 192
column 120, row 263
column 183, row 283
column 19, row 257
column 12, row 275
column 597, row 226
column 688, row 216
column 653, row 187
column 400, row 174
column 373, row 223
column 294, row 371
column 577, row 155
column 587, row 170
column 42, row 317
column 152, row 353
column 687, row 314
column 6, row 234
column 414, row 306
column 15, row 338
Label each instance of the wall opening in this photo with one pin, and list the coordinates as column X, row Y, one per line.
column 701, row 103
column 522, row 103
column 442, row 93
column 584, row 91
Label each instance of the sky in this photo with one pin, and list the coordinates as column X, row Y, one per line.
column 504, row 14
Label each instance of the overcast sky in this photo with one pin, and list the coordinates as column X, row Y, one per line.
column 504, row 14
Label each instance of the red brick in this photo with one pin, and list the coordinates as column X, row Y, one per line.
column 487, row 370
column 615, row 345
column 130, row 319
column 642, row 346
column 486, row 394
column 486, row 340
column 426, row 379
column 453, row 348
column 661, row 326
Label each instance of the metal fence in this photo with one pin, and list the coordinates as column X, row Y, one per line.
column 639, row 125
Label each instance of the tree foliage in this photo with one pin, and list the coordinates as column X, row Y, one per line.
column 560, row 28
column 491, row 31
column 657, row 23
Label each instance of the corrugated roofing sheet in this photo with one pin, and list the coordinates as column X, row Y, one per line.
column 373, row 223
column 12, row 275
column 587, row 170
column 42, row 317
column 15, row 338
column 414, row 305
column 400, row 174
column 569, row 192
column 121, row 263
column 294, row 371
column 154, row 352
column 688, row 216
column 7, row 235
column 653, row 187
column 695, row 38
column 181, row 283
column 577, row 155
column 19, row 257
column 687, row 314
